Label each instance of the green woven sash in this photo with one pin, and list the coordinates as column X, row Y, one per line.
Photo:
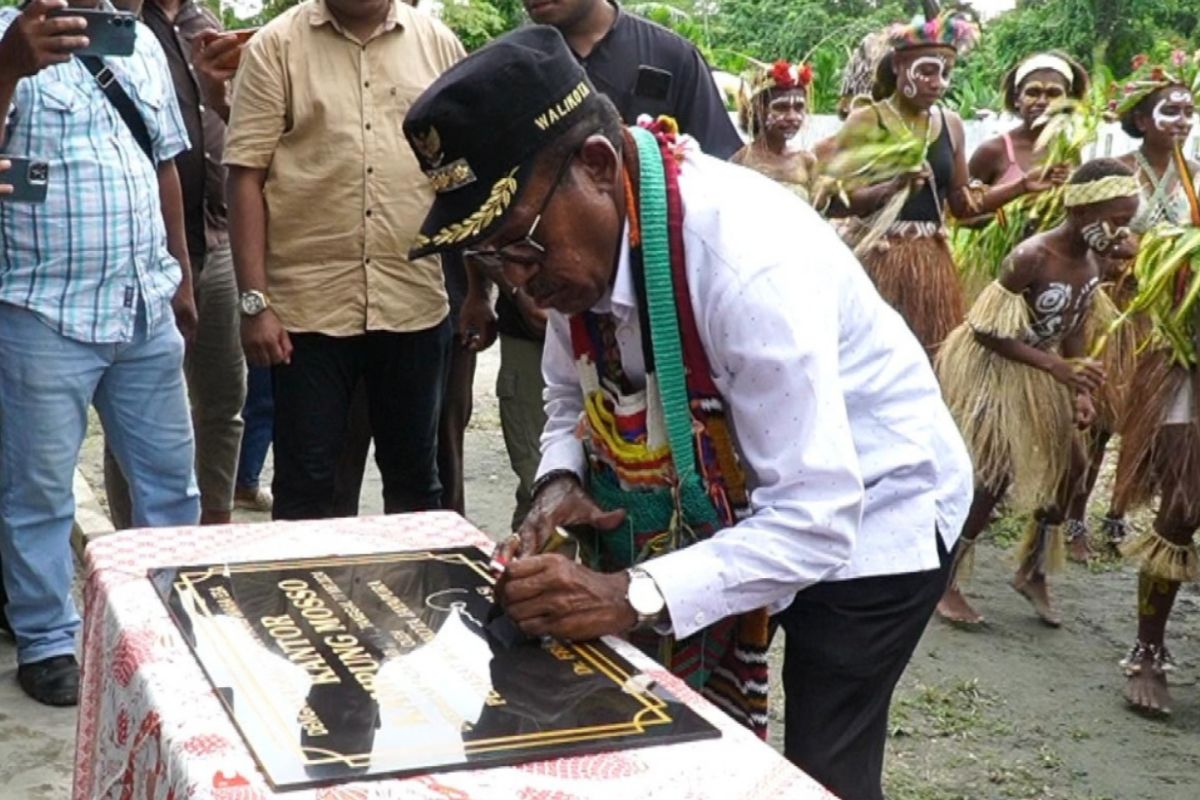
column 665, row 518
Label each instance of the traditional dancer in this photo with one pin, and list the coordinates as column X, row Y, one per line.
column 1159, row 109
column 1046, row 91
column 1030, row 89
column 1017, row 381
column 1160, row 443
column 909, row 258
column 772, row 110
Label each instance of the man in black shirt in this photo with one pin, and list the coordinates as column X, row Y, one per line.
column 644, row 69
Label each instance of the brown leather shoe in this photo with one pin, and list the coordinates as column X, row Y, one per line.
column 53, row 681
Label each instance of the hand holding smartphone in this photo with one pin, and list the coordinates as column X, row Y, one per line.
column 35, row 40
column 109, row 33
column 220, row 53
column 23, row 180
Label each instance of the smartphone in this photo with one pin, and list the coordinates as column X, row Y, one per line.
column 110, row 33
column 243, row 35
column 652, row 83
column 28, row 178
column 234, row 59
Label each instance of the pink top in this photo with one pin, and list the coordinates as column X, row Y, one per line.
column 1013, row 172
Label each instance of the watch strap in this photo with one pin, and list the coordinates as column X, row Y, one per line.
column 549, row 478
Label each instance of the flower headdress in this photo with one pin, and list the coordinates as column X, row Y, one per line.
column 781, row 75
column 1147, row 78
column 950, row 29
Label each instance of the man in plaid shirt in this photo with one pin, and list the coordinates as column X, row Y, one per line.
column 95, row 291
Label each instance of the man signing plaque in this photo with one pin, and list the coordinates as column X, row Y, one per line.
column 740, row 423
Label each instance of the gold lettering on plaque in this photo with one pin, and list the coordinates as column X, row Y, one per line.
column 319, row 616
column 311, row 723
column 561, row 652
column 361, row 664
column 299, row 650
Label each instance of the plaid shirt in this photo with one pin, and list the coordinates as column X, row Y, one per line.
column 84, row 258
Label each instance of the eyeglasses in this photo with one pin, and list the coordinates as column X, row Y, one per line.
column 525, row 251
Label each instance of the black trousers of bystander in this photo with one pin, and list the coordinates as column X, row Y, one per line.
column 847, row 644
column 403, row 374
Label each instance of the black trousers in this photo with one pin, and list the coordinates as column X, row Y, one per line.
column 403, row 376
column 847, row 644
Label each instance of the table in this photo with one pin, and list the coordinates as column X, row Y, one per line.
column 150, row 726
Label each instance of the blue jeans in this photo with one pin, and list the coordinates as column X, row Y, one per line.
column 259, row 416
column 47, row 382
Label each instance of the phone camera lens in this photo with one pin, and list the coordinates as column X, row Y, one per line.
column 39, row 172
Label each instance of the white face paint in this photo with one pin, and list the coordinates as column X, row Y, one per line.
column 1100, row 236
column 1178, row 99
column 918, row 70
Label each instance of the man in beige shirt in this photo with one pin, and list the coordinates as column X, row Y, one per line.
column 325, row 198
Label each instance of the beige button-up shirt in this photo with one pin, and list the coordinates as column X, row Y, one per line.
column 321, row 112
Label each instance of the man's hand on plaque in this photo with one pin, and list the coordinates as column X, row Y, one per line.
column 549, row 595
column 560, row 502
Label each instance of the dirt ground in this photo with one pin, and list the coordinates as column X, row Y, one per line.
column 1015, row 710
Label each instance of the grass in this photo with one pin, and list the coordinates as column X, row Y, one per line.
column 954, row 709
column 1007, row 530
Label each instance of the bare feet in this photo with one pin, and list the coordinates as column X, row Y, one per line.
column 1146, row 687
column 955, row 609
column 1034, row 589
column 1079, row 548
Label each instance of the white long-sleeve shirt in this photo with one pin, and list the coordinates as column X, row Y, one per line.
column 851, row 456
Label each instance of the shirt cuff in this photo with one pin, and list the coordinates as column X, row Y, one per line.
column 246, row 158
column 565, row 453
column 693, row 584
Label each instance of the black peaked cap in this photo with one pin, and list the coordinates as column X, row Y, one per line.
column 477, row 130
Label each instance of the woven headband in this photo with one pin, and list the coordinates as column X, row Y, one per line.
column 1109, row 187
column 1045, row 61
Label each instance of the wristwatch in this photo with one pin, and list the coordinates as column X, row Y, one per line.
column 253, row 303
column 644, row 596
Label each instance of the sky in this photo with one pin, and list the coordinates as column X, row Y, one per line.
column 990, row 8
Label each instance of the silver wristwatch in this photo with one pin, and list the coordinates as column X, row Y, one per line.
column 253, row 303
column 643, row 594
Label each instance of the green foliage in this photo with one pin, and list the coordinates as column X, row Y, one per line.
column 1097, row 32
column 734, row 33
column 475, row 22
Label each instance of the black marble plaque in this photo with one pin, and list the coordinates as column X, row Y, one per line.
column 353, row 667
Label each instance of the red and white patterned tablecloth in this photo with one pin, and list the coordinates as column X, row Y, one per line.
column 151, row 727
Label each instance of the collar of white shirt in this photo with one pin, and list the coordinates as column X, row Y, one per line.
column 621, row 298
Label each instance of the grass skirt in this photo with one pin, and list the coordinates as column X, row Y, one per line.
column 1157, row 459
column 1018, row 422
column 916, row 275
column 1116, row 350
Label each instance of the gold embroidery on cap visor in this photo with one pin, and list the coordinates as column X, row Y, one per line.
column 1107, row 188
column 452, row 176
column 496, row 204
column 563, row 108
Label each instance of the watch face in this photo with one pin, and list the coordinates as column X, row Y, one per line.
column 644, row 596
column 252, row 303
